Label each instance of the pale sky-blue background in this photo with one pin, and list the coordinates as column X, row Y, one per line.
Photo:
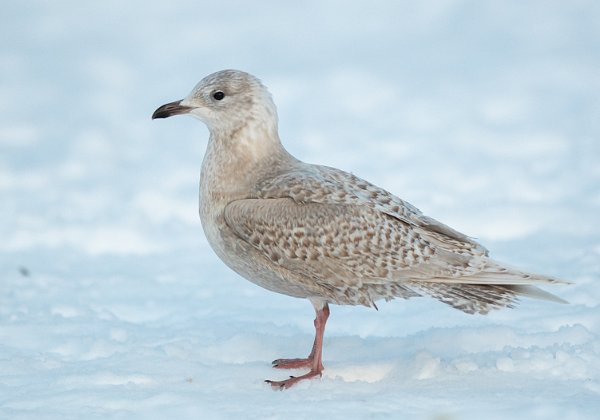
column 484, row 115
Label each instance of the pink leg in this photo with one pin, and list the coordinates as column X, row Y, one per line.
column 314, row 361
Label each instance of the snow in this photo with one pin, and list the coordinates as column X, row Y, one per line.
column 112, row 305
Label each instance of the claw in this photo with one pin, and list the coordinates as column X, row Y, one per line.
column 313, row 361
column 292, row 380
column 293, row 363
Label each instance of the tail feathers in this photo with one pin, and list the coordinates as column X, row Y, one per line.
column 469, row 298
column 481, row 298
column 499, row 274
column 496, row 286
column 535, row 293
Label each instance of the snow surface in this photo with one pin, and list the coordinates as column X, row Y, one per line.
column 483, row 114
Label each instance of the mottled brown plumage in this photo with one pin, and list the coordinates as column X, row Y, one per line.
column 320, row 233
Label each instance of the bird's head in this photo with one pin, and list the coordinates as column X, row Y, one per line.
column 226, row 101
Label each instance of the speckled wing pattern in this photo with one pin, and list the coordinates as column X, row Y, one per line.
column 358, row 243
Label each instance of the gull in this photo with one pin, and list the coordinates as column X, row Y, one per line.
column 322, row 234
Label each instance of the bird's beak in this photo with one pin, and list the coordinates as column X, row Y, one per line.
column 170, row 109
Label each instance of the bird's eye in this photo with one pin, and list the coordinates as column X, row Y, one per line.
column 218, row 95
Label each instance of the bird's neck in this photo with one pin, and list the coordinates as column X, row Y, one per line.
column 237, row 160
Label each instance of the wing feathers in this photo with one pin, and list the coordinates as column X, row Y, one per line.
column 360, row 243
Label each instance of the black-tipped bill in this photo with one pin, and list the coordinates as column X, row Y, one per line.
column 170, row 109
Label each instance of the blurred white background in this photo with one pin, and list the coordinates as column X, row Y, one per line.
column 485, row 115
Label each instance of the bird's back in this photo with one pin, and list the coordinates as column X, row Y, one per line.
column 356, row 243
